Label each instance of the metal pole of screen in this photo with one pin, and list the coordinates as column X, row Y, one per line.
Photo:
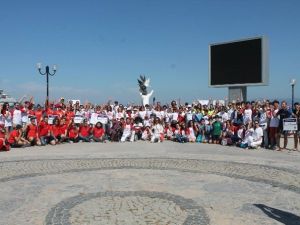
column 237, row 94
column 293, row 83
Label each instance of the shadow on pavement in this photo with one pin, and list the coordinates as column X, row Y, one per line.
column 279, row 215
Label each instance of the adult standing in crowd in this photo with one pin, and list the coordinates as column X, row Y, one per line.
column 274, row 134
column 296, row 114
column 283, row 113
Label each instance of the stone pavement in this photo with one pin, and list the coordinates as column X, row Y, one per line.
column 144, row 183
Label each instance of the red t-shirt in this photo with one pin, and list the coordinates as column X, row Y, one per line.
column 73, row 132
column 59, row 113
column 63, row 128
column 55, row 130
column 181, row 118
column 32, row 131
column 30, row 112
column 44, row 128
column 98, row 132
column 38, row 114
column 14, row 134
column 1, row 144
column 84, row 131
column 49, row 111
column 2, row 135
column 70, row 115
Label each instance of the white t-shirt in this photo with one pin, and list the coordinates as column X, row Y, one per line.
column 8, row 120
column 17, row 117
column 127, row 129
column 147, row 123
column 168, row 117
column 189, row 116
column 175, row 116
column 148, row 112
column 240, row 133
column 110, row 115
column 258, row 133
column 158, row 129
column 24, row 116
column 119, row 115
column 192, row 132
column 142, row 114
column 247, row 116
column 94, row 118
column 225, row 116
column 157, row 113
column 163, row 115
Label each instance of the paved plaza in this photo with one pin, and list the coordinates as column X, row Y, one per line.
column 148, row 184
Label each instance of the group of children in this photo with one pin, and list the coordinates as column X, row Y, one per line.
column 245, row 124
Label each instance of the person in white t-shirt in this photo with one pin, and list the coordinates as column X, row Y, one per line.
column 142, row 112
column 6, row 117
column 247, row 114
column 17, row 115
column 255, row 140
column 189, row 114
column 127, row 130
column 174, row 115
column 157, row 131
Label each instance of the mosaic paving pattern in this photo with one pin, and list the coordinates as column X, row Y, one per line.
column 127, row 208
column 277, row 177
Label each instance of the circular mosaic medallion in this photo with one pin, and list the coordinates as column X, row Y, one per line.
column 127, row 208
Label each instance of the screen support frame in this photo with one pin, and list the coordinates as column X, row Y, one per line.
column 237, row 94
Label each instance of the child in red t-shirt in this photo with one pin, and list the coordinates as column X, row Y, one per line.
column 39, row 114
column 73, row 132
column 84, row 131
column 15, row 138
column 63, row 130
column 70, row 114
column 4, row 145
column 32, row 133
column 98, row 133
column 44, row 131
column 55, row 132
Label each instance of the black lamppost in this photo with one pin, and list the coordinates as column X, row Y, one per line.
column 47, row 73
column 293, row 83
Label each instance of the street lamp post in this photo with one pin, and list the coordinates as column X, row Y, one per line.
column 47, row 73
column 293, row 83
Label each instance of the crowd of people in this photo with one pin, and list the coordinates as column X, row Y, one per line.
column 244, row 124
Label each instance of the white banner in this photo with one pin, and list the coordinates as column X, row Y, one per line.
column 103, row 120
column 78, row 119
column 290, row 124
column 203, row 102
column 51, row 118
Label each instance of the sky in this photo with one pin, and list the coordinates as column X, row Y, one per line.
column 101, row 47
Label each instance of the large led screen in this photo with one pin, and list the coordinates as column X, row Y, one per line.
column 238, row 63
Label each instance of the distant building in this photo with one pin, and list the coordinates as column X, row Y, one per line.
column 6, row 98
